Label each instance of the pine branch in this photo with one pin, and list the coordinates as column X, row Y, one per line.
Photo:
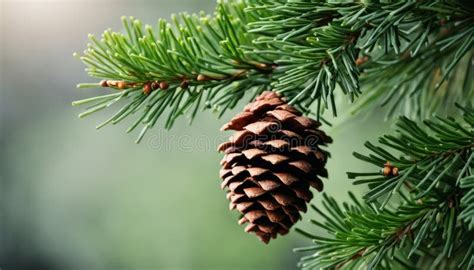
column 431, row 174
column 430, row 161
column 423, row 79
column 303, row 49
column 366, row 238
column 392, row 44
column 195, row 62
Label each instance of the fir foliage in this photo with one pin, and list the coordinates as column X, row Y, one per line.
column 199, row 57
column 421, row 216
column 406, row 51
column 415, row 56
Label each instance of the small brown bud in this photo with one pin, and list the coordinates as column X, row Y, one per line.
column 395, row 171
column 387, row 171
column 388, row 164
column 202, row 78
column 112, row 83
column 121, row 85
column 261, row 65
column 164, row 85
column 361, row 60
column 104, row 83
column 155, row 85
column 184, row 84
column 147, row 88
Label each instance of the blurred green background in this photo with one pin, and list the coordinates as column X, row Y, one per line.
column 72, row 197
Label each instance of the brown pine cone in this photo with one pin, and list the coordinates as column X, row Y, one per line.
column 270, row 163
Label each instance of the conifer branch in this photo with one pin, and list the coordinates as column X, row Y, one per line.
column 396, row 53
column 423, row 189
column 425, row 78
column 395, row 48
column 194, row 63
column 431, row 161
column 367, row 238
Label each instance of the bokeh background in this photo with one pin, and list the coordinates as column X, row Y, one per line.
column 72, row 197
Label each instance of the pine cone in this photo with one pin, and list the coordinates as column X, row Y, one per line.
column 270, row 163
